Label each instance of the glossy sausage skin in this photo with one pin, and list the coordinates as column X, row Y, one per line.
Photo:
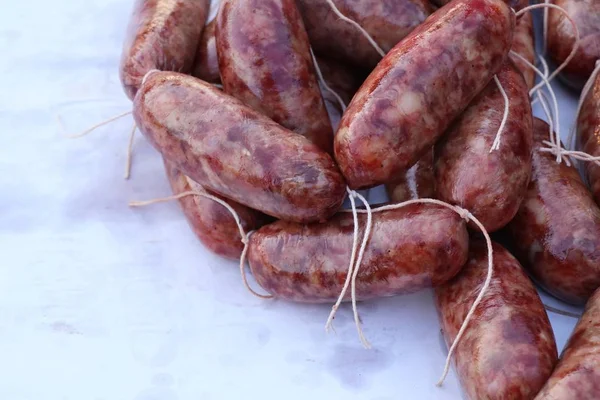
column 489, row 184
column 387, row 21
column 416, row 183
column 211, row 222
column 524, row 44
column 206, row 65
column 265, row 61
column 235, row 151
column 416, row 91
column 409, row 249
column 588, row 135
column 516, row 4
column 508, row 350
column 163, row 35
column 561, row 38
column 556, row 232
column 577, row 375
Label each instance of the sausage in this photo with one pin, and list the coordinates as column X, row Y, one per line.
column 577, row 375
column 416, row 183
column 265, row 61
column 515, row 4
column 561, row 38
column 588, row 127
column 508, row 348
column 206, row 65
column 556, row 232
column 162, row 34
column 410, row 248
column 342, row 79
column 235, row 151
column 211, row 222
column 524, row 44
column 491, row 185
column 386, row 21
column 422, row 84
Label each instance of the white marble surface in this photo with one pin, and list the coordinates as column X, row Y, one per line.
column 99, row 301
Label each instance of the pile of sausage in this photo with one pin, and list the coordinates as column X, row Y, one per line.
column 243, row 110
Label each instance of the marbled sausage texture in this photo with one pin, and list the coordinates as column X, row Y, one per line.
column 235, row 151
column 508, row 350
column 416, row 91
column 556, row 232
column 163, row 35
column 411, row 248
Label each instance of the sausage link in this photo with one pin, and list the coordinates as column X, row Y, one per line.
column 491, row 185
column 211, row 222
column 235, row 151
column 577, row 375
column 515, row 4
column 561, row 38
column 416, row 183
column 265, row 61
column 422, row 84
column 206, row 65
column 556, row 232
column 588, row 135
column 387, row 21
column 162, row 34
column 508, row 349
column 524, row 44
column 411, row 248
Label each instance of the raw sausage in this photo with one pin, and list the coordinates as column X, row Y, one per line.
column 577, row 375
column 211, row 222
column 423, row 83
column 561, row 38
column 235, row 151
column 524, row 44
column 265, row 61
column 162, row 34
column 387, row 21
column 515, row 4
column 588, row 135
column 489, row 184
column 508, row 349
column 206, row 65
column 556, row 232
column 416, row 183
column 411, row 248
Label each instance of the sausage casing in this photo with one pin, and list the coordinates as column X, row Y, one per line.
column 508, row 349
column 524, row 44
column 409, row 249
column 515, row 4
column 387, row 21
column 235, row 151
column 561, row 38
column 206, row 65
column 265, row 61
column 416, row 183
column 212, row 223
column 556, row 232
column 416, row 91
column 162, row 34
column 588, row 135
column 577, row 375
column 490, row 184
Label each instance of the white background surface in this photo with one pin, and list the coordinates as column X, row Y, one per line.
column 99, row 301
